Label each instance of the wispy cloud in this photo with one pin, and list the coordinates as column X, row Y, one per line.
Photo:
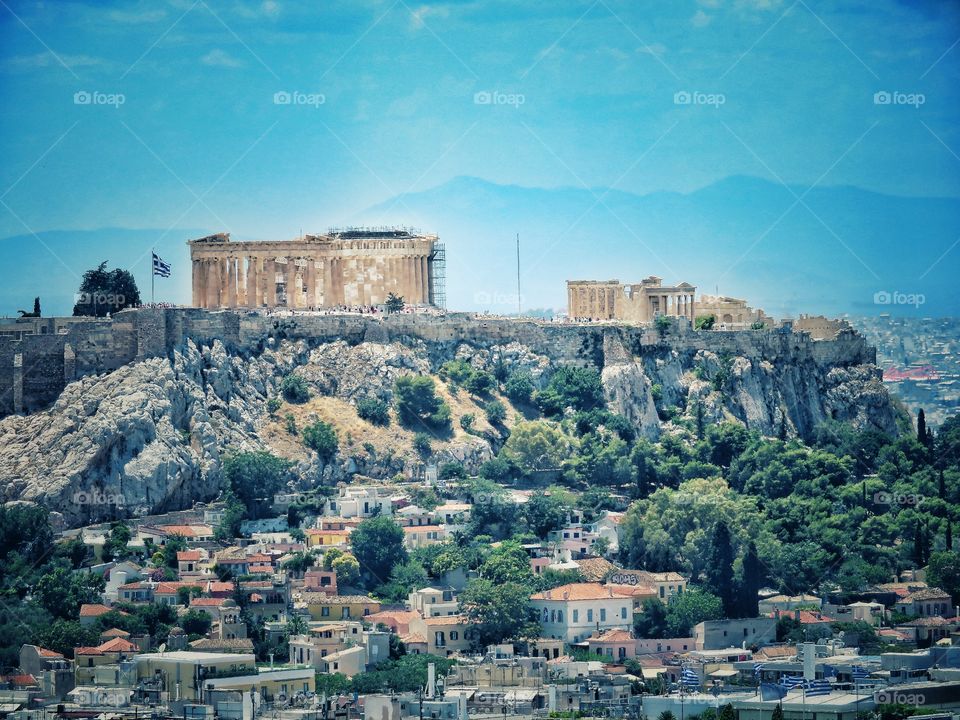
column 221, row 58
column 41, row 61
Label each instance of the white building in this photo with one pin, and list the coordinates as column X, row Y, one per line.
column 576, row 611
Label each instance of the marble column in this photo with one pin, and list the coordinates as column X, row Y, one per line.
column 310, row 282
column 194, row 283
column 417, row 280
column 231, row 294
column 250, row 296
column 290, row 285
column 425, row 275
column 270, row 282
column 327, row 282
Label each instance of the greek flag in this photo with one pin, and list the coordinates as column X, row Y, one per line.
column 857, row 672
column 816, row 687
column 789, row 682
column 161, row 268
column 829, row 671
column 757, row 667
column 689, row 678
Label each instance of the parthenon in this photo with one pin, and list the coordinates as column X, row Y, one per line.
column 341, row 267
column 638, row 303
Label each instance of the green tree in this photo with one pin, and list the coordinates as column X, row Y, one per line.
column 495, row 411
column 753, row 576
column 394, row 303
column 61, row 592
column 576, row 387
column 347, row 569
column 943, row 572
column 519, row 387
column 321, row 437
column 294, row 389
column 544, row 513
column 196, row 622
column 417, row 402
column 377, row 544
column 104, row 292
column 421, row 443
column 719, row 570
column 499, row 612
column 536, row 445
column 255, row 477
column 651, row 620
column 689, row 608
column 704, row 322
column 373, row 410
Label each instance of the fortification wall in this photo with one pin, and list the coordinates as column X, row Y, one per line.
column 81, row 348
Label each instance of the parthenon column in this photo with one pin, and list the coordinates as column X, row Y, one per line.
column 251, row 294
column 417, row 280
column 212, row 280
column 290, row 285
column 195, row 283
column 425, row 274
column 270, row 282
column 310, row 282
column 231, row 294
column 327, row 281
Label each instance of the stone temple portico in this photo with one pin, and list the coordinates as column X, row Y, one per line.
column 638, row 302
column 348, row 267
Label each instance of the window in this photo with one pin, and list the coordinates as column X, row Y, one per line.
column 576, row 616
column 454, row 635
column 590, row 615
column 623, row 613
column 324, row 612
column 345, row 612
column 603, row 614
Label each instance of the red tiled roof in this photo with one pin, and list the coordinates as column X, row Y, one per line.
column 118, row 645
column 579, row 591
column 188, row 555
column 93, row 610
column 43, row 652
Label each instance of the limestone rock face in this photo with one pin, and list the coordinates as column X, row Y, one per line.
column 151, row 436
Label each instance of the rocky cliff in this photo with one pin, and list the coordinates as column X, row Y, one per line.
column 150, row 435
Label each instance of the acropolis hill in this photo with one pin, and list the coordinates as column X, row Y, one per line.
column 146, row 403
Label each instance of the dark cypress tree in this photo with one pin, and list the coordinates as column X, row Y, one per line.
column 719, row 571
column 942, row 487
column 921, row 427
column 36, row 307
column 753, row 578
column 948, row 541
column 918, row 545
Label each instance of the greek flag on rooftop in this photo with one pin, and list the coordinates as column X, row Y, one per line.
column 689, row 677
column 789, row 682
column 859, row 673
column 757, row 667
column 161, row 268
column 816, row 687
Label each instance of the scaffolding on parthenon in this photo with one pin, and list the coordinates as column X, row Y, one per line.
column 438, row 276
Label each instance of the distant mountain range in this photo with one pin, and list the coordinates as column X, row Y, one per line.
column 832, row 251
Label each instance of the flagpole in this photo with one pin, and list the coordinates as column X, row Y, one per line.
column 153, row 275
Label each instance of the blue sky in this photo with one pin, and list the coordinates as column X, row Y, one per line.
column 165, row 114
